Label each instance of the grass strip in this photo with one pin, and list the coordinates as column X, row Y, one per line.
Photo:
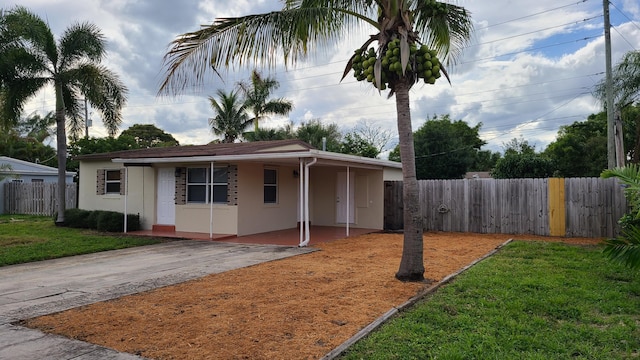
column 533, row 300
column 33, row 238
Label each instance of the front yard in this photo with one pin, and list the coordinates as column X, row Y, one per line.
column 33, row 238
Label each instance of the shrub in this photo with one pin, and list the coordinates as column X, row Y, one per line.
column 112, row 221
column 92, row 219
column 76, row 218
column 108, row 221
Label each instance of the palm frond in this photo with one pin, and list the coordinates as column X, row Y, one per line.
column 31, row 32
column 103, row 89
column 82, row 41
column 626, row 248
column 263, row 39
column 446, row 29
column 15, row 94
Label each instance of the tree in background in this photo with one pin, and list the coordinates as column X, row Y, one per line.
column 148, row 135
column 256, row 97
column 580, row 149
column 521, row 161
column 375, row 135
column 400, row 27
column 92, row 145
column 485, row 160
column 444, row 149
column 231, row 118
column 263, row 134
column 36, row 126
column 354, row 144
column 27, row 149
column 30, row 59
column 25, row 141
column 314, row 131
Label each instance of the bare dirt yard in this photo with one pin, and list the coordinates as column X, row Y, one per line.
column 297, row 308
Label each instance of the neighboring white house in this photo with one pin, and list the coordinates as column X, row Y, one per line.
column 27, row 172
column 238, row 189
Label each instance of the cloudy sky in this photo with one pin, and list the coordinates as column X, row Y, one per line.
column 530, row 68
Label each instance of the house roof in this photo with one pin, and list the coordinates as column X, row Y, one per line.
column 203, row 150
column 277, row 151
column 28, row 168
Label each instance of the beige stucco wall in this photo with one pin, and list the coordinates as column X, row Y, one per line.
column 391, row 174
column 196, row 218
column 369, row 197
column 254, row 216
column 140, row 192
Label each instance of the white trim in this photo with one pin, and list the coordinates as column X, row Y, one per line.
column 353, row 161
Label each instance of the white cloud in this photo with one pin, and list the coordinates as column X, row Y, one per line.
column 523, row 75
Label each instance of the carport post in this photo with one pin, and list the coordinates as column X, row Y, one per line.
column 301, row 200
column 211, row 204
column 348, row 197
column 126, row 194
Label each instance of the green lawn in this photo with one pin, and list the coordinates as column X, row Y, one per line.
column 532, row 300
column 32, row 238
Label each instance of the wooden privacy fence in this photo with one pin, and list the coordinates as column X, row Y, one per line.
column 580, row 207
column 36, row 198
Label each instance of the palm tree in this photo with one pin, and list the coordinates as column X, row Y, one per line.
column 626, row 81
column 30, row 59
column 231, row 116
column 301, row 24
column 626, row 247
column 257, row 98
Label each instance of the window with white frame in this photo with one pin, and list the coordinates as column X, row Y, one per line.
column 270, row 186
column 112, row 181
column 201, row 188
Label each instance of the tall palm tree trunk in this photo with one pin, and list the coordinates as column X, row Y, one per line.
column 411, row 265
column 61, row 138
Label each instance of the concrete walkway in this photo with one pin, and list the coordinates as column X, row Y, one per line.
column 45, row 287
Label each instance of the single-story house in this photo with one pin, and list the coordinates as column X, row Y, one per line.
column 27, row 172
column 238, row 189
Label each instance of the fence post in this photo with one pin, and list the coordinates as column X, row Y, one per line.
column 557, row 218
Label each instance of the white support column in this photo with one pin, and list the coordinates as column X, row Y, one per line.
column 210, row 193
column 348, row 204
column 126, row 194
column 301, row 201
column 306, row 202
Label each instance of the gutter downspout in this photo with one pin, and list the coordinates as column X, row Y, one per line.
column 211, row 205
column 126, row 192
column 301, row 200
column 306, row 202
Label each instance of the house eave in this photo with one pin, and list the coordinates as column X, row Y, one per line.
column 328, row 158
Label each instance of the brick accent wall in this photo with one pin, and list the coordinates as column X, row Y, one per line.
column 123, row 184
column 181, row 187
column 100, row 182
column 232, row 185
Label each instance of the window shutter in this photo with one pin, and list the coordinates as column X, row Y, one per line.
column 100, row 188
column 122, row 182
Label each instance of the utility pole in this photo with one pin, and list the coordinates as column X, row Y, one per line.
column 611, row 148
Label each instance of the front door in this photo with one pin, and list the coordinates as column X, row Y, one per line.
column 166, row 204
column 341, row 198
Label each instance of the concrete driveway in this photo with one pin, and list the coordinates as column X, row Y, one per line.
column 44, row 287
